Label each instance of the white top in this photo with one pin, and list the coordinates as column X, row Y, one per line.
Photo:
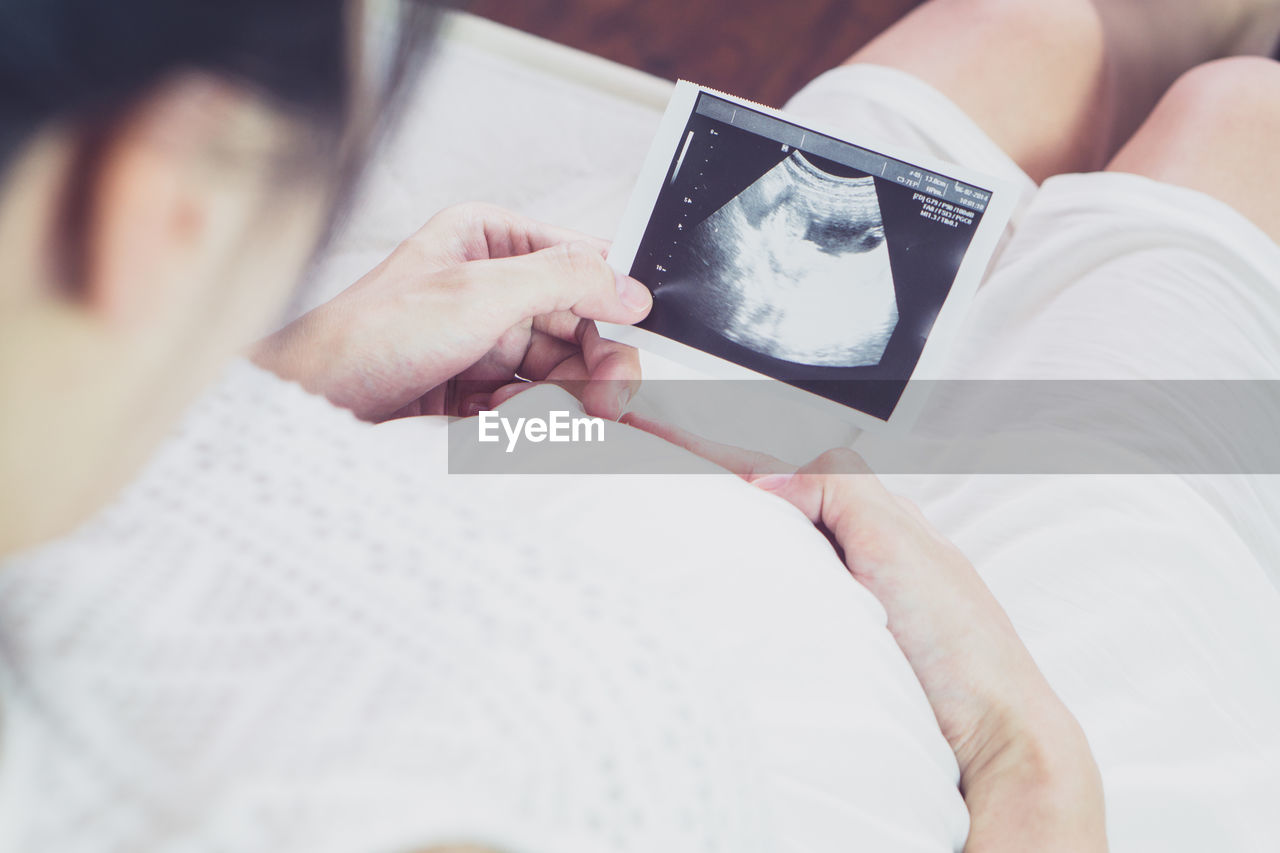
column 294, row 632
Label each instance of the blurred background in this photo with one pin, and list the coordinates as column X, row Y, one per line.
column 759, row 49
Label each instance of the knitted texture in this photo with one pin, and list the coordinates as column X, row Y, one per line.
column 288, row 634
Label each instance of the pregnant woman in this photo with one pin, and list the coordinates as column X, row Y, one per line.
column 285, row 628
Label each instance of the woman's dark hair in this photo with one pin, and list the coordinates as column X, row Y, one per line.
column 88, row 60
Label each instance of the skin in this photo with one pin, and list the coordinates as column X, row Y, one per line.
column 1061, row 85
column 501, row 295
column 1214, row 132
column 94, row 369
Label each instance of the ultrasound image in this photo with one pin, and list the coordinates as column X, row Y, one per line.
column 796, row 268
column 798, row 256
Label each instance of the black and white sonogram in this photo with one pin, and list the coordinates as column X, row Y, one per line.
column 796, row 268
column 801, row 256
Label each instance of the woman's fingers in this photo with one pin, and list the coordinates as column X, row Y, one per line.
column 545, row 353
column 602, row 374
column 834, row 489
column 614, row 371
column 477, row 231
column 568, row 277
column 748, row 464
column 459, row 303
column 829, row 490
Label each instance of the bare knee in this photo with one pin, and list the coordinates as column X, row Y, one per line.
column 1069, row 27
column 1027, row 71
column 1215, row 131
column 1241, row 89
column 1057, row 79
column 992, row 32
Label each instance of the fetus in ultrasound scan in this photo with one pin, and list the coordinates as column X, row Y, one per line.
column 796, row 267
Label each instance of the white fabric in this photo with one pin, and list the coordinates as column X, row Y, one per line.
column 295, row 632
column 260, row 698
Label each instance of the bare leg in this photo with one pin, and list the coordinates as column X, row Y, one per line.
column 1216, row 131
column 1151, row 43
column 1059, row 84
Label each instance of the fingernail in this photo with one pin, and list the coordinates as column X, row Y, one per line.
column 632, row 293
column 624, row 397
column 773, row 482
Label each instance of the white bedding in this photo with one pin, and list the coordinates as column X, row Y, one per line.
column 1147, row 605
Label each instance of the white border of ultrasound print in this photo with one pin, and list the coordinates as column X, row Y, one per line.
column 670, row 135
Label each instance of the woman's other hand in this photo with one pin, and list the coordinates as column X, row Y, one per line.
column 479, row 298
column 1027, row 774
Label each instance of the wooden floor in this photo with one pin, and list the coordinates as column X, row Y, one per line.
column 760, row 49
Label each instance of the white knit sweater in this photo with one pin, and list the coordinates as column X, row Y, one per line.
column 295, row 632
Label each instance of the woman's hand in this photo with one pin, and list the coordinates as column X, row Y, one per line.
column 477, row 299
column 1027, row 774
